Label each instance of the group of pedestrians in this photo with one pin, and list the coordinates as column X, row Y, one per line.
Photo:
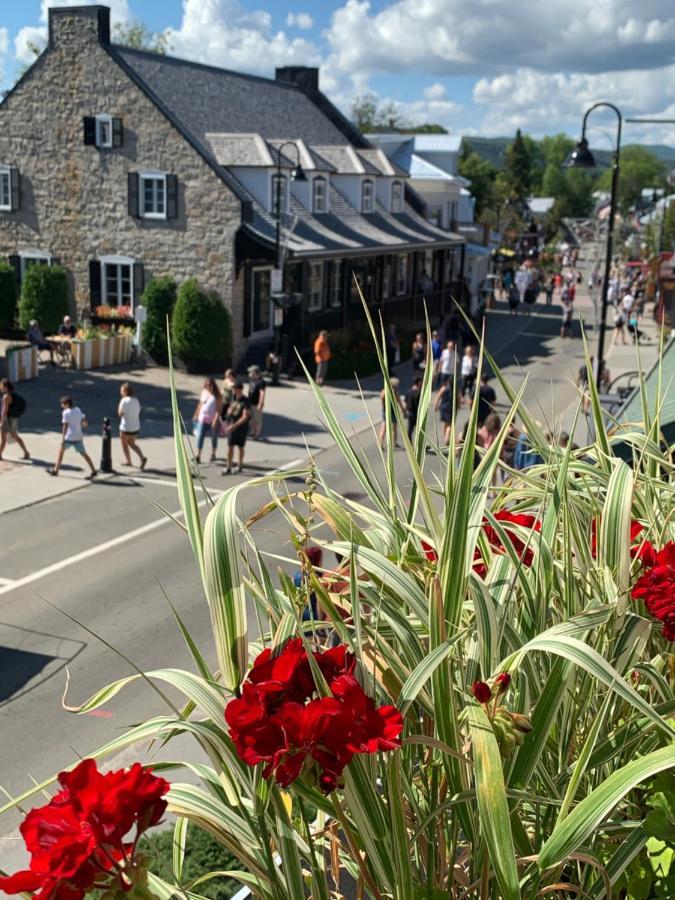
column 230, row 413
column 627, row 298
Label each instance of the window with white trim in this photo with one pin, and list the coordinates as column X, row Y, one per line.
column 30, row 258
column 319, row 195
column 397, row 197
column 315, row 287
column 335, row 285
column 117, row 281
column 401, row 274
column 368, row 196
column 279, row 194
column 104, row 131
column 5, row 188
column 152, row 195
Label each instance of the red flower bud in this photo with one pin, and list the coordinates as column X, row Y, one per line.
column 429, row 552
column 502, row 682
column 481, row 691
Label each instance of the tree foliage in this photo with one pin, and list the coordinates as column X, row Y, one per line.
column 522, row 166
column 201, row 327
column 371, row 116
column 138, row 36
column 639, row 168
column 8, row 296
column 44, row 296
column 159, row 298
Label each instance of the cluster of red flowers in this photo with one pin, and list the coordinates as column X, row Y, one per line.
column 642, row 550
column 280, row 721
column 77, row 841
column 656, row 586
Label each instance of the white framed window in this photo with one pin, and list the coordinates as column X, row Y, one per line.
column 152, row 200
column 315, row 287
column 367, row 196
column 401, row 274
column 397, row 197
column 320, row 195
column 335, row 285
column 5, row 188
column 117, row 284
column 104, row 131
column 279, row 194
column 30, row 258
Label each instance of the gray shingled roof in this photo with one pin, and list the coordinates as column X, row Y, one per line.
column 208, row 100
column 238, row 149
column 345, row 159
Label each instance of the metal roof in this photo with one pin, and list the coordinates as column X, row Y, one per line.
column 631, row 412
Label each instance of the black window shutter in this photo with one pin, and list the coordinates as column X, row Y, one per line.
column 94, row 283
column 15, row 187
column 117, row 132
column 132, row 178
column 15, row 263
column 89, row 124
column 139, row 282
column 248, row 298
column 171, row 197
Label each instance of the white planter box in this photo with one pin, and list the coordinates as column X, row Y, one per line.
column 22, row 365
column 101, row 352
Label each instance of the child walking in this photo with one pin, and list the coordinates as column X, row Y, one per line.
column 468, row 371
column 73, row 421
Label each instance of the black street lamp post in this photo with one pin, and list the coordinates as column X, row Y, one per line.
column 582, row 158
column 297, row 174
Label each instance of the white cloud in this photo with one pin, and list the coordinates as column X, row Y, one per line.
column 300, row 20
column 223, row 33
column 435, row 92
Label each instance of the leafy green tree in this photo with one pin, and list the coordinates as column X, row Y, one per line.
column 159, row 299
column 370, row 116
column 44, row 296
column 8, row 296
column 364, row 112
column 482, row 176
column 639, row 169
column 521, row 165
column 140, row 37
column 201, row 327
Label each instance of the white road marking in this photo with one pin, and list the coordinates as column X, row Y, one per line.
column 4, row 581
column 92, row 551
column 293, row 464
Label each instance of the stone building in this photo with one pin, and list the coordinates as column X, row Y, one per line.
column 123, row 164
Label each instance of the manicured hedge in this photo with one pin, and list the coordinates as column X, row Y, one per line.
column 44, row 296
column 201, row 328
column 159, row 299
column 8, row 296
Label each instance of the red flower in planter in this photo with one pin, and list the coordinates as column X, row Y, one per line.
column 642, row 550
column 521, row 547
column 481, row 691
column 502, row 682
column 76, row 839
column 280, row 722
column 656, row 587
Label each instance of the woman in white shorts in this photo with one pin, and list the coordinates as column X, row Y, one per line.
column 129, row 413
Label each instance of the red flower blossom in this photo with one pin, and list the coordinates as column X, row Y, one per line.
column 502, row 682
column 279, row 721
column 656, row 587
column 76, row 840
column 429, row 552
column 522, row 548
column 481, row 691
column 642, row 550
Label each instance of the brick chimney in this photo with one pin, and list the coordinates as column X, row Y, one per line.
column 74, row 26
column 304, row 78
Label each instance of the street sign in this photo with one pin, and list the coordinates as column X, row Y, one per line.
column 277, row 282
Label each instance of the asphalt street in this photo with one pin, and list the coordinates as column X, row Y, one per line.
column 105, row 554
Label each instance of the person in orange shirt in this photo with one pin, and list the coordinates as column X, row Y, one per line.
column 321, row 356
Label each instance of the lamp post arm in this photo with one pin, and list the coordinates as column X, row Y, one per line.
column 278, row 195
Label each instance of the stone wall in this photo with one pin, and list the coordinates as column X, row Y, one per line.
column 74, row 197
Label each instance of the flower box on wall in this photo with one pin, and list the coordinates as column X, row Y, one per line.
column 22, row 363
column 98, row 352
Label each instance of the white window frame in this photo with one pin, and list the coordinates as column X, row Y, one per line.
column 315, row 298
column 322, row 180
column 40, row 255
column 150, row 176
column 102, row 120
column 6, row 173
column 335, row 286
column 117, row 261
column 283, row 200
column 397, row 202
column 367, row 195
column 401, row 267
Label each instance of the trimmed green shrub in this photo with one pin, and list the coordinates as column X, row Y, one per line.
column 200, row 327
column 159, row 299
column 8, row 296
column 203, row 854
column 44, row 296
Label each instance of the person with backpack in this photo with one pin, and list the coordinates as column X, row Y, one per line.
column 13, row 406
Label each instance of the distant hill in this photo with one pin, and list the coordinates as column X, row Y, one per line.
column 494, row 151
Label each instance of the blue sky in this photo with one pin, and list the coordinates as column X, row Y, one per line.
column 475, row 66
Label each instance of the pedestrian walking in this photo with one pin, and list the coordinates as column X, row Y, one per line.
column 567, row 309
column 446, row 404
column 129, row 414
column 12, row 408
column 321, row 356
column 237, row 416
column 514, row 299
column 436, row 351
column 412, row 405
column 486, row 397
column 392, row 348
column 468, row 371
column 256, row 399
column 448, row 363
column 207, row 418
column 229, row 381
column 394, row 382
column 418, row 352
column 73, row 424
column 550, row 288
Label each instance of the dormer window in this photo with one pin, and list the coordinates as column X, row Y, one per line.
column 397, row 197
column 279, row 194
column 320, row 195
column 367, row 196
column 5, row 188
column 102, row 131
